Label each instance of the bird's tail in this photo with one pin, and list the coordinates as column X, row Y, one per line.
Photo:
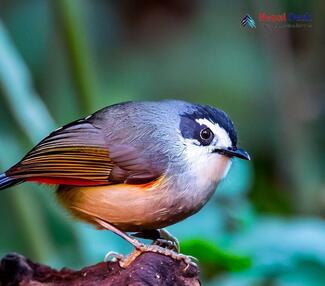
column 6, row 182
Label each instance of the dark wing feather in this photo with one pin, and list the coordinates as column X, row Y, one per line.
column 131, row 166
column 79, row 154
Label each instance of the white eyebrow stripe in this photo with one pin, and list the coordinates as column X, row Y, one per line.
column 219, row 132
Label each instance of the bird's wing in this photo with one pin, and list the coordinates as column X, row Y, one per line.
column 79, row 154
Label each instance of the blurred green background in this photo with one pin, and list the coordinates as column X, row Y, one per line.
column 63, row 59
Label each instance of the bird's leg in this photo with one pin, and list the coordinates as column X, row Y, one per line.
column 141, row 248
column 120, row 233
column 160, row 237
column 113, row 256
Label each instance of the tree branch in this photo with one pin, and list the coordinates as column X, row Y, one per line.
column 147, row 269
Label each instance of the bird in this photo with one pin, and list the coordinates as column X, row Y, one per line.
column 135, row 167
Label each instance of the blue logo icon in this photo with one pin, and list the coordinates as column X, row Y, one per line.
column 248, row 21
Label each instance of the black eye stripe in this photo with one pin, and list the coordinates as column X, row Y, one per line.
column 193, row 130
column 213, row 115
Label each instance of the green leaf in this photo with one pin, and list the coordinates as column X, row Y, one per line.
column 213, row 258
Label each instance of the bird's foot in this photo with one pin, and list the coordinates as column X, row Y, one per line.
column 160, row 237
column 167, row 240
column 188, row 260
column 141, row 248
column 167, row 244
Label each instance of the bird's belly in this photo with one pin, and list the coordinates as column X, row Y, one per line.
column 128, row 207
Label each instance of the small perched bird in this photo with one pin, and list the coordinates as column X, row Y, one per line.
column 135, row 166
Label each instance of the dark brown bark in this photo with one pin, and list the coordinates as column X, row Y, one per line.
column 147, row 269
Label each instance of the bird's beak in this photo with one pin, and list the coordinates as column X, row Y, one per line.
column 234, row 152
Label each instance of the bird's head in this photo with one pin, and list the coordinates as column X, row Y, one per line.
column 209, row 138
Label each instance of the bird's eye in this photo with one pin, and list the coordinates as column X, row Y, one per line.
column 205, row 133
column 206, row 136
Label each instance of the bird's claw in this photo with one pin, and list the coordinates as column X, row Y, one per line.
column 142, row 248
column 113, row 256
